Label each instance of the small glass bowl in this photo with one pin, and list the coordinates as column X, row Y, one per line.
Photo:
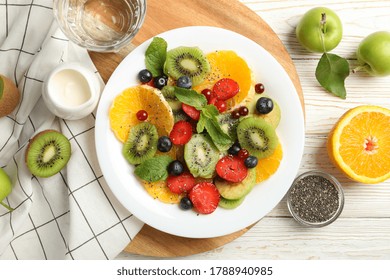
column 336, row 214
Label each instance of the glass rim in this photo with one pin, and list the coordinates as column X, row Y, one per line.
column 115, row 47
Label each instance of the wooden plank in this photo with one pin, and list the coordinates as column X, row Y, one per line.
column 228, row 14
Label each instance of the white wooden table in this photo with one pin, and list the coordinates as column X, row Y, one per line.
column 363, row 229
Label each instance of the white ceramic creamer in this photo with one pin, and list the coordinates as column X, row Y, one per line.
column 71, row 91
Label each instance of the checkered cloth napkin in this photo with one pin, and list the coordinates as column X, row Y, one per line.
column 72, row 215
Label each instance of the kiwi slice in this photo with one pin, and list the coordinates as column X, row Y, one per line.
column 201, row 156
column 180, row 115
column 169, row 94
column 257, row 136
column 47, row 153
column 273, row 117
column 187, row 61
column 141, row 143
column 230, row 203
column 234, row 191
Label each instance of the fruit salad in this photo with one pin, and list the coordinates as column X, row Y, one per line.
column 199, row 129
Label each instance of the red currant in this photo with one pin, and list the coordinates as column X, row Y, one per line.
column 236, row 114
column 221, row 106
column 142, row 115
column 207, row 93
column 259, row 88
column 243, row 111
column 243, row 154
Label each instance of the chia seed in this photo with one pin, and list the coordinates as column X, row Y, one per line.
column 314, row 199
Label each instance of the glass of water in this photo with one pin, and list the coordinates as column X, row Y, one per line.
column 100, row 25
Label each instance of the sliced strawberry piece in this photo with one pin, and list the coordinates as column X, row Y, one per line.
column 213, row 100
column 191, row 111
column 226, row 88
column 181, row 133
column 181, row 183
column 232, row 169
column 205, row 197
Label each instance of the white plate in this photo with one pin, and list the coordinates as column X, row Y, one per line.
column 262, row 199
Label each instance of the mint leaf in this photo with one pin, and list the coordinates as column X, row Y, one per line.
column 155, row 56
column 201, row 123
column 154, row 169
column 331, row 72
column 210, row 111
column 1, row 87
column 191, row 97
column 219, row 137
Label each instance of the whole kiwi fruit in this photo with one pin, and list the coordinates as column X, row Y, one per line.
column 9, row 96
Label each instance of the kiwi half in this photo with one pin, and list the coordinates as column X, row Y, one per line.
column 201, row 156
column 257, row 136
column 47, row 153
column 187, row 61
column 141, row 143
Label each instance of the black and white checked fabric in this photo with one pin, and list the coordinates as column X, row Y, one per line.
column 72, row 215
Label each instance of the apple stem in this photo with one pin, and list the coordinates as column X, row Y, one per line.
column 323, row 23
column 323, row 30
column 6, row 206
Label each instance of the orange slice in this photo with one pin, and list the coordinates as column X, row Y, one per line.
column 125, row 106
column 359, row 144
column 227, row 64
column 159, row 190
column 266, row 167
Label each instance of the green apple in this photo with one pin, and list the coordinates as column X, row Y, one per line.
column 373, row 53
column 5, row 187
column 319, row 30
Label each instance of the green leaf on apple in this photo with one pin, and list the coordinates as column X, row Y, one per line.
column 331, row 72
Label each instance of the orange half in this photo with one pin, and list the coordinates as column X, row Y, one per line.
column 359, row 144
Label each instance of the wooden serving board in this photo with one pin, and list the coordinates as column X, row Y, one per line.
column 169, row 14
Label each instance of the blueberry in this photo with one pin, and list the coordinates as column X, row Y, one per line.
column 264, row 105
column 160, row 81
column 164, row 144
column 251, row 162
column 185, row 203
column 233, row 150
column 175, row 168
column 145, row 76
column 184, row 82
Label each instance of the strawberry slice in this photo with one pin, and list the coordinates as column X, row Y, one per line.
column 181, row 133
column 191, row 111
column 181, row 183
column 226, row 88
column 205, row 197
column 232, row 169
